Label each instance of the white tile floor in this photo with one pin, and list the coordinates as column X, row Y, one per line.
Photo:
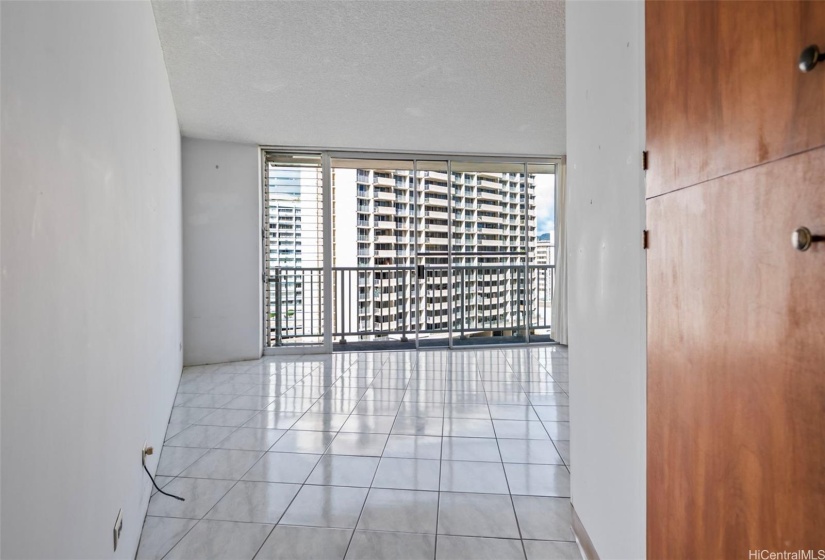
column 392, row 455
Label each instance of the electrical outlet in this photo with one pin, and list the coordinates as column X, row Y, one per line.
column 118, row 527
column 145, row 450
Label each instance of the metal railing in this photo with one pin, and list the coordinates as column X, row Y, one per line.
column 295, row 307
column 380, row 302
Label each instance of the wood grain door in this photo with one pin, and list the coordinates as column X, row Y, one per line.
column 736, row 365
column 724, row 92
column 736, row 315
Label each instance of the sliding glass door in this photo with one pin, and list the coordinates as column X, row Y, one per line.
column 373, row 254
column 369, row 252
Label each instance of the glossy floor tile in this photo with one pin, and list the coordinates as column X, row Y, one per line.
column 407, row 474
column 173, row 460
column 305, row 543
column 220, row 539
column 472, row 476
column 543, row 518
column 251, row 439
column 432, row 455
column 477, row 515
column 368, row 545
column 358, row 444
column 344, row 470
column 326, row 506
column 404, row 511
column 297, row 441
column 200, row 436
column 201, row 495
column 538, row 480
column 555, row 550
column 413, row 447
column 228, row 464
column 478, row 548
column 320, row 422
column 469, row 427
column 255, row 502
column 529, row 451
column 160, row 534
column 282, row 467
column 470, row 449
column 415, row 425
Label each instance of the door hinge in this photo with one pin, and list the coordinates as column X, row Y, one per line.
column 645, row 239
column 644, row 160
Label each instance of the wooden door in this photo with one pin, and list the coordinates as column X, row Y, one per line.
column 736, row 315
column 724, row 91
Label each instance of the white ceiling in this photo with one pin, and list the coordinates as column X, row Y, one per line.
column 455, row 76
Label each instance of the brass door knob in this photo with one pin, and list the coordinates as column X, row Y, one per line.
column 809, row 58
column 802, row 239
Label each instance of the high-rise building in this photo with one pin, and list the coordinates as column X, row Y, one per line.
column 546, row 248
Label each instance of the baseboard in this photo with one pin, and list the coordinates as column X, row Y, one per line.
column 582, row 538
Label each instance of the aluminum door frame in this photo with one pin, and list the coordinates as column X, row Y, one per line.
column 327, row 154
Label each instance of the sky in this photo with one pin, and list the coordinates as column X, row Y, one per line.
column 545, row 203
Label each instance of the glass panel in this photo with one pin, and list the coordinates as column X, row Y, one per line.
column 433, row 245
column 293, row 249
column 488, row 252
column 374, row 288
column 541, row 245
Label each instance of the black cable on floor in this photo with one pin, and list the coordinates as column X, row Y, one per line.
column 158, row 487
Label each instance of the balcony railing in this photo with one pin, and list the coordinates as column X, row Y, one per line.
column 486, row 300
column 287, row 316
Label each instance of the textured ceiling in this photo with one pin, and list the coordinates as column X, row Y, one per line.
column 455, row 76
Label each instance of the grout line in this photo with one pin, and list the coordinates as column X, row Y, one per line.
column 506, row 478
column 369, row 490
column 441, row 458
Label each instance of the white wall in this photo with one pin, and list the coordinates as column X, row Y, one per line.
column 222, row 261
column 91, row 272
column 605, row 217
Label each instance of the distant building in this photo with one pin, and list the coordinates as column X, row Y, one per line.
column 546, row 248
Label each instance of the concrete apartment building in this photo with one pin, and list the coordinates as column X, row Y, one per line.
column 546, row 249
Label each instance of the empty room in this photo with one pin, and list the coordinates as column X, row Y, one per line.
column 412, row 279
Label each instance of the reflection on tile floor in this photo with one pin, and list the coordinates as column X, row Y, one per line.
column 400, row 455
